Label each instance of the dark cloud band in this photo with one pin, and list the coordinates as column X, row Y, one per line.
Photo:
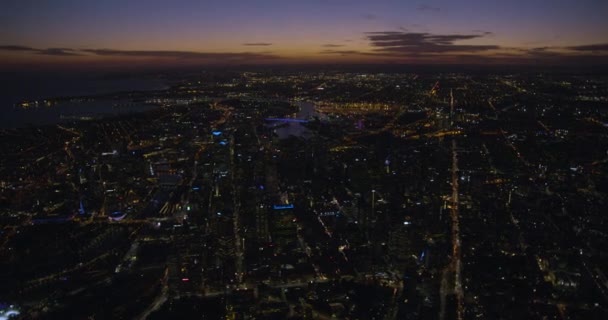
column 591, row 47
column 419, row 43
column 143, row 53
column 181, row 54
column 48, row 51
column 257, row 44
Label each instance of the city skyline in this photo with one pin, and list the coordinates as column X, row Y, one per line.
column 184, row 33
column 321, row 159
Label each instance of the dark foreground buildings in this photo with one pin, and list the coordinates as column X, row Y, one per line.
column 257, row 195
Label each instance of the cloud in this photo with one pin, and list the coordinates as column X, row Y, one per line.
column 48, row 51
column 58, row 52
column 394, row 46
column 344, row 52
column 591, row 52
column 402, row 42
column 590, row 47
column 143, row 53
column 12, row 47
column 424, row 47
column 427, row 8
column 485, row 33
column 418, row 45
column 369, row 16
column 181, row 54
column 223, row 56
column 553, row 56
column 257, row 44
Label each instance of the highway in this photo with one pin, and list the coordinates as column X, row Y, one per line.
column 239, row 254
column 456, row 251
column 455, row 266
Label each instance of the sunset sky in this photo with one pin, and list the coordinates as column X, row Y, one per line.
column 189, row 32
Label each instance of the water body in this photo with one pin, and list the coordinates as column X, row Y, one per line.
column 69, row 111
column 39, row 86
column 307, row 111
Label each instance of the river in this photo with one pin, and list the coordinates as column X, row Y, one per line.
column 38, row 86
column 307, row 111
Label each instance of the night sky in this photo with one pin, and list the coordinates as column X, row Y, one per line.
column 189, row 32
